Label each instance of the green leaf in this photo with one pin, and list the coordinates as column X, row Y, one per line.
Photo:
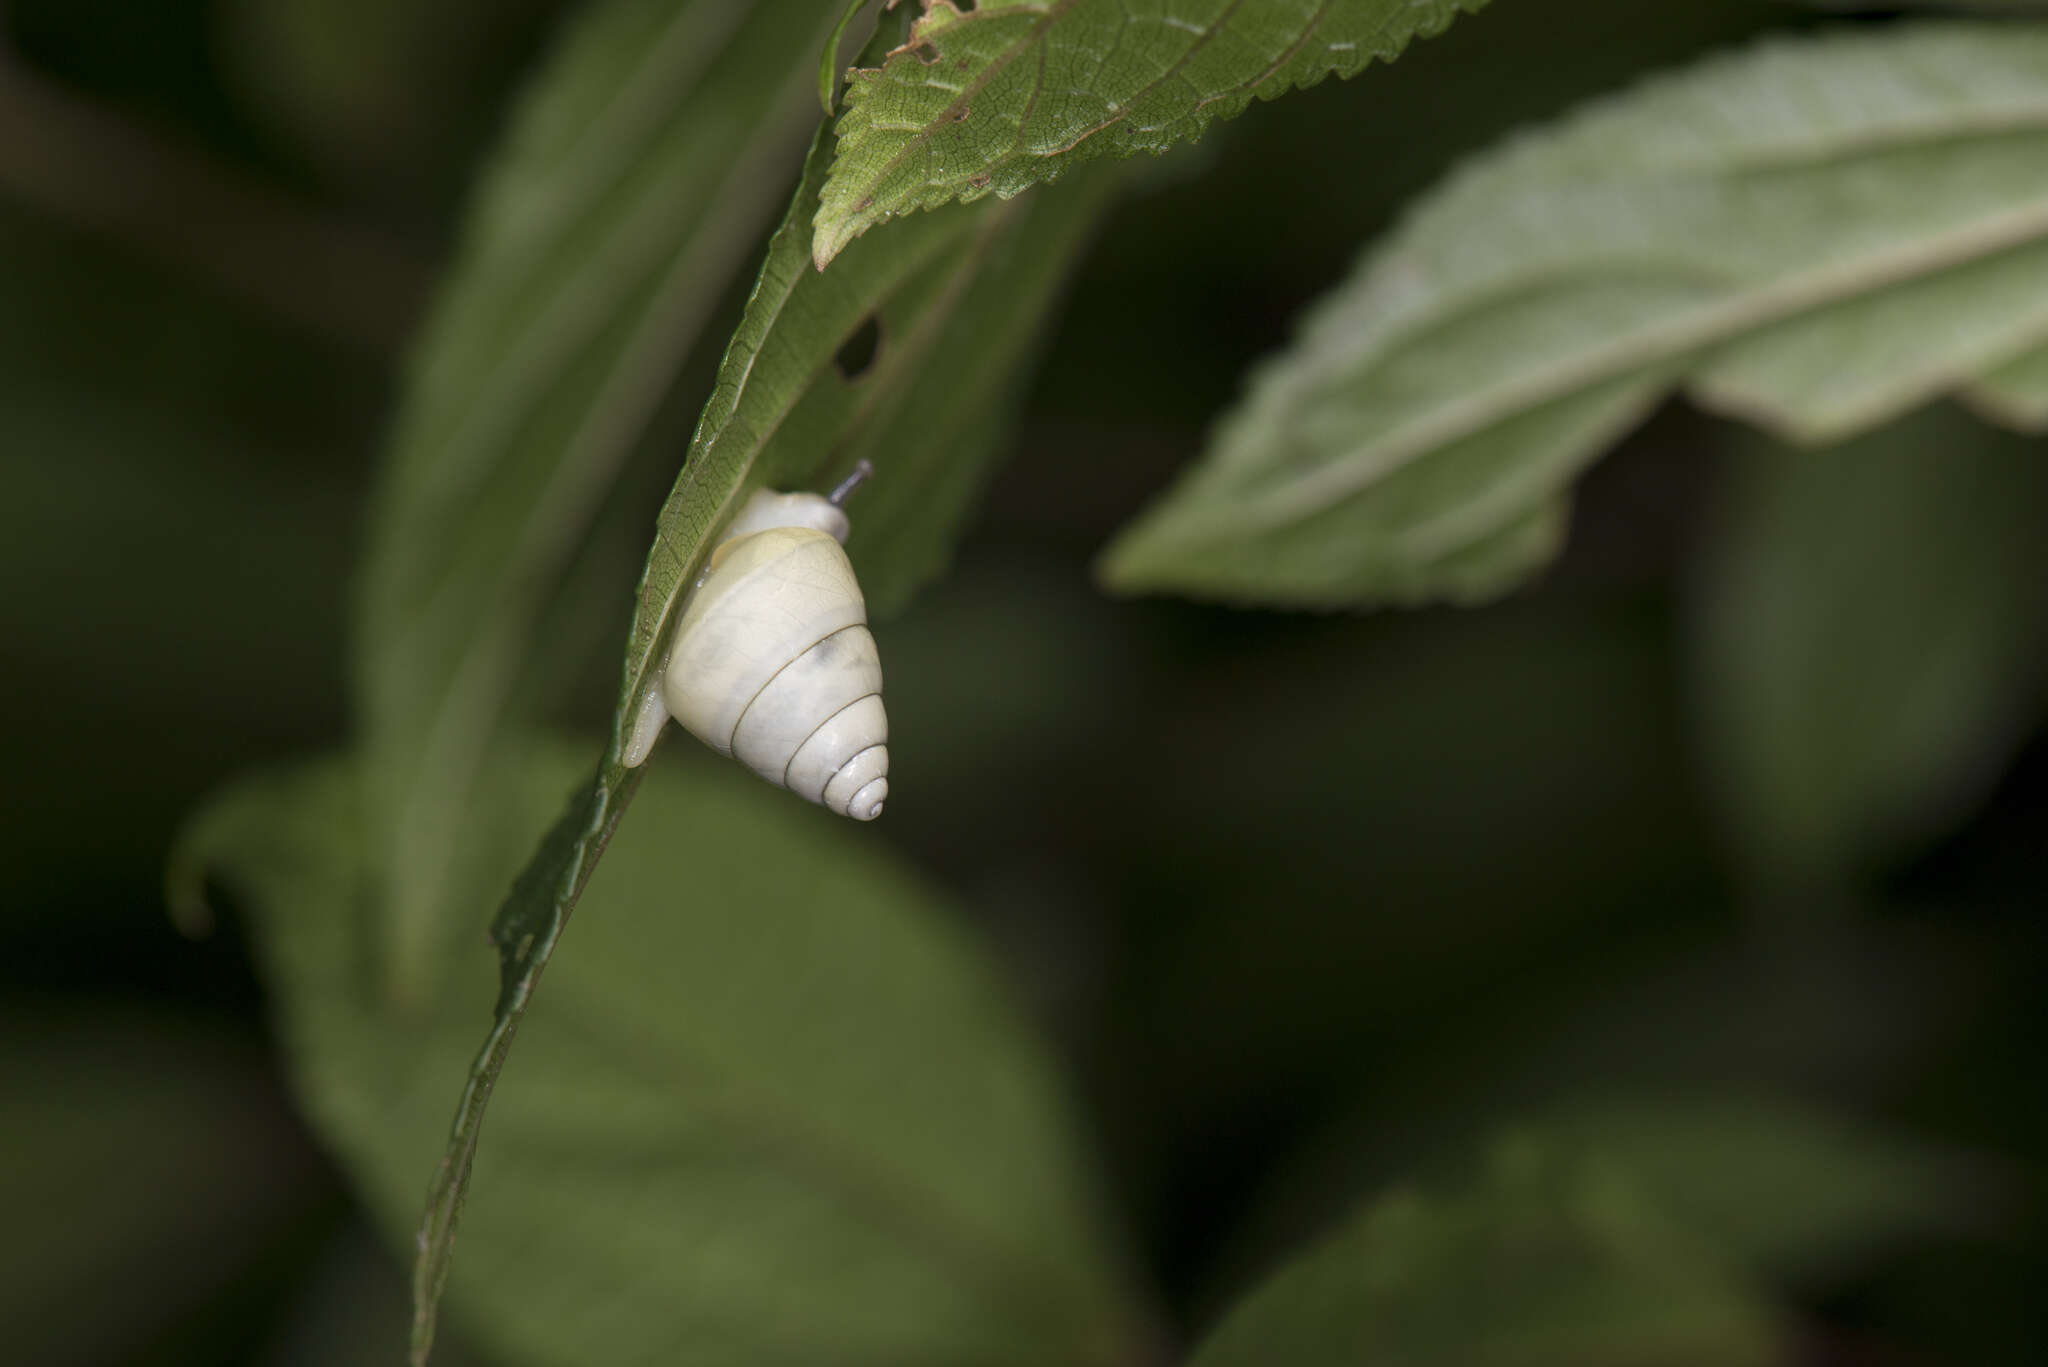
column 772, row 1110
column 1547, row 1259
column 1780, row 1189
column 1818, row 235
column 1680, row 1028
column 2015, row 394
column 957, row 300
column 1013, row 92
column 636, row 179
column 1872, row 631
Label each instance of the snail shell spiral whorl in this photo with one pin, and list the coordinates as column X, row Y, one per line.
column 774, row 665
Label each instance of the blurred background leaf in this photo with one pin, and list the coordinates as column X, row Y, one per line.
column 1815, row 235
column 2016, row 393
column 770, row 1108
column 1547, row 1258
column 1872, row 624
column 1784, row 1191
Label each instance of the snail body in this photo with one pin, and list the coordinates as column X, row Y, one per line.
column 773, row 663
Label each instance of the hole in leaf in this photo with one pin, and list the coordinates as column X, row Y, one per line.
column 858, row 353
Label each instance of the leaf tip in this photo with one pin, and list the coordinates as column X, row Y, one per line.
column 829, row 238
column 1126, row 567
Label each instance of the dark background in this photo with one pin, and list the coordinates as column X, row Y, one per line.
column 1270, row 880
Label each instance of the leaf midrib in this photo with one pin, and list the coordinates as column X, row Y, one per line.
column 1048, row 16
column 1638, row 350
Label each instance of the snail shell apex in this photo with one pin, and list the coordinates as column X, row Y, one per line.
column 773, row 663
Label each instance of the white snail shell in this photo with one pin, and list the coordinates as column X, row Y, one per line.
column 773, row 663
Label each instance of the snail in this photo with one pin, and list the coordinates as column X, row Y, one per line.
column 773, row 663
